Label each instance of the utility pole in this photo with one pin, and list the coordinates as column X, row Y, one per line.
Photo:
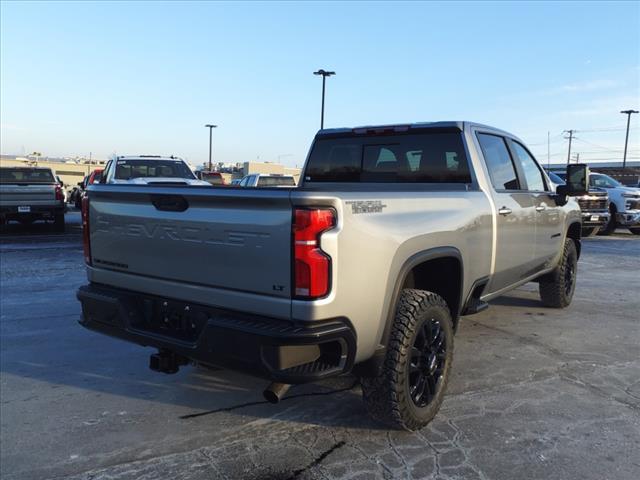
column 626, row 139
column 210, row 127
column 570, row 132
column 324, row 74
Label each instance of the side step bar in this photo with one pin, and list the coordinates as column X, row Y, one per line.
column 475, row 306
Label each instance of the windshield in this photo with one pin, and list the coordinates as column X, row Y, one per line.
column 276, row 182
column 143, row 168
column 26, row 175
column 603, row 181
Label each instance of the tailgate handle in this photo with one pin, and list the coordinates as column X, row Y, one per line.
column 170, row 203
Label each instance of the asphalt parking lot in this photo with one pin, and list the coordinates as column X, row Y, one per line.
column 536, row 393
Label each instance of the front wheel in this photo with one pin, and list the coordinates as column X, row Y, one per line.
column 590, row 231
column 612, row 224
column 409, row 389
column 635, row 230
column 558, row 286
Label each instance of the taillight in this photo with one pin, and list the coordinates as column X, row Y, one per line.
column 59, row 194
column 86, row 242
column 312, row 267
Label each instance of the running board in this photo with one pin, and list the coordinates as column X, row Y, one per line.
column 475, row 306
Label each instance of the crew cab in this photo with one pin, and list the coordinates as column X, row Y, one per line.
column 594, row 206
column 393, row 234
column 28, row 194
column 150, row 170
column 624, row 204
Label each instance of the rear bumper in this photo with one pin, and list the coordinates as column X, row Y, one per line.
column 278, row 350
column 595, row 219
column 34, row 211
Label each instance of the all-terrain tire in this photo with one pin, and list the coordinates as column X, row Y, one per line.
column 590, row 231
column 389, row 397
column 558, row 286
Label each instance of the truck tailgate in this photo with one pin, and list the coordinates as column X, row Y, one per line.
column 236, row 239
column 27, row 194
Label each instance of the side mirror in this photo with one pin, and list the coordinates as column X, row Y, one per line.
column 577, row 179
column 577, row 182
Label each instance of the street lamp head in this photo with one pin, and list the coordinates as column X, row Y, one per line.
column 629, row 112
column 211, row 126
column 324, row 73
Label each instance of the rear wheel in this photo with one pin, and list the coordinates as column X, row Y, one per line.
column 557, row 287
column 611, row 225
column 409, row 389
column 590, row 231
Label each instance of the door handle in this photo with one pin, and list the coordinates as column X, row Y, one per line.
column 540, row 208
column 504, row 211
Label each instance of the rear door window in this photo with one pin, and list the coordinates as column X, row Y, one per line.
column 499, row 163
column 437, row 157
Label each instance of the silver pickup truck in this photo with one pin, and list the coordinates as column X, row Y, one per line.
column 28, row 194
column 393, row 234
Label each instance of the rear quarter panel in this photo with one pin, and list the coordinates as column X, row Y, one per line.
column 369, row 250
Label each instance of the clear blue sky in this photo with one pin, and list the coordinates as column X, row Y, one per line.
column 145, row 77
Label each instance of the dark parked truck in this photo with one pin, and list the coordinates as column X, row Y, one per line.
column 394, row 233
column 594, row 206
column 28, row 194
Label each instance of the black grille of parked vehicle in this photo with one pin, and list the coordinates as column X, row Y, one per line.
column 592, row 203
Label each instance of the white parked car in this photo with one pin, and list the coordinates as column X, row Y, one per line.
column 624, row 203
column 150, row 170
column 267, row 180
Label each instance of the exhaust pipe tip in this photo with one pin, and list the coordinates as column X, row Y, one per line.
column 275, row 391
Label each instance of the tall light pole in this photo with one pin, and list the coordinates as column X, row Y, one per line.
column 210, row 127
column 324, row 74
column 626, row 139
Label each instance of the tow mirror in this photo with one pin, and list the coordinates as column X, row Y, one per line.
column 577, row 182
column 577, row 179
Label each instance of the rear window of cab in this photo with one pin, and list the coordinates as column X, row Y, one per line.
column 411, row 158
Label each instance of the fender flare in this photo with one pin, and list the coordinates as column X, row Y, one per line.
column 372, row 366
column 407, row 266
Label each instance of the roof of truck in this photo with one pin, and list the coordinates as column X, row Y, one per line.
column 455, row 124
